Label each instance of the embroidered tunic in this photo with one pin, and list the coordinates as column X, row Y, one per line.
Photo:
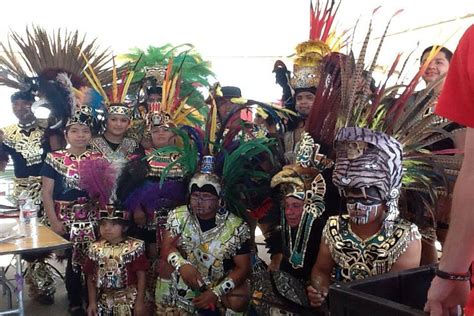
column 125, row 150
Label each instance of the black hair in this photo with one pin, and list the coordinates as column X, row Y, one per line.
column 447, row 52
column 22, row 95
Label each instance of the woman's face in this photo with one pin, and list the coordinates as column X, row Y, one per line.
column 117, row 124
column 304, row 102
column 78, row 135
column 162, row 136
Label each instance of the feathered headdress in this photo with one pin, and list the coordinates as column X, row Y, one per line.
column 114, row 91
column 378, row 123
column 152, row 64
column 173, row 109
column 227, row 163
column 322, row 41
column 51, row 65
column 42, row 54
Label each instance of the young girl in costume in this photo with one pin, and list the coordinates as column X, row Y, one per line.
column 67, row 205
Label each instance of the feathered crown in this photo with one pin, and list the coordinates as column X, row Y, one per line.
column 151, row 68
column 173, row 109
column 47, row 55
column 115, row 98
column 322, row 41
column 52, row 66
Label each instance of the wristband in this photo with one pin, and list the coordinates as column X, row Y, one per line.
column 224, row 287
column 176, row 260
column 453, row 276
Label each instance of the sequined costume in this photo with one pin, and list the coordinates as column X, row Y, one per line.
column 24, row 146
column 114, row 270
column 112, row 152
column 210, row 251
column 358, row 259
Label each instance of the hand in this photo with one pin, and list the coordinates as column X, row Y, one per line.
column 92, row 310
column 316, row 298
column 3, row 165
column 444, row 296
column 191, row 276
column 275, row 263
column 139, row 309
column 139, row 217
column 207, row 300
column 58, row 227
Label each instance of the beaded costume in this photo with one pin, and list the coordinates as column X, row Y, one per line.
column 358, row 259
column 125, row 150
column 111, row 266
column 78, row 216
column 204, row 250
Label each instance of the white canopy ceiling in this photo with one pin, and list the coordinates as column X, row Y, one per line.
column 241, row 38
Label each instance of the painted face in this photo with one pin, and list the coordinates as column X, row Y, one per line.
column 117, row 124
column 111, row 230
column 293, row 211
column 161, row 136
column 437, row 67
column 363, row 205
column 204, row 204
column 22, row 110
column 304, row 102
column 78, row 135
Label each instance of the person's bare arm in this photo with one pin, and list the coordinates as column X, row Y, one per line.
column 242, row 268
column 92, row 294
column 140, row 301
column 410, row 258
column 320, row 276
column 458, row 252
column 47, row 189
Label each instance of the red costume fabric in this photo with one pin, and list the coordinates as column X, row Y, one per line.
column 456, row 101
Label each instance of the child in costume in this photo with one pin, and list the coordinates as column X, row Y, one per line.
column 116, row 269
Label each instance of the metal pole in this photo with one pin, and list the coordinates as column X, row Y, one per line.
column 19, row 285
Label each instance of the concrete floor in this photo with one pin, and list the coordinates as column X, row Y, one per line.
column 33, row 308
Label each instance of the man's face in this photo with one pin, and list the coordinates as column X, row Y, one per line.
column 293, row 211
column 437, row 67
column 304, row 102
column 204, row 204
column 22, row 110
column 363, row 205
